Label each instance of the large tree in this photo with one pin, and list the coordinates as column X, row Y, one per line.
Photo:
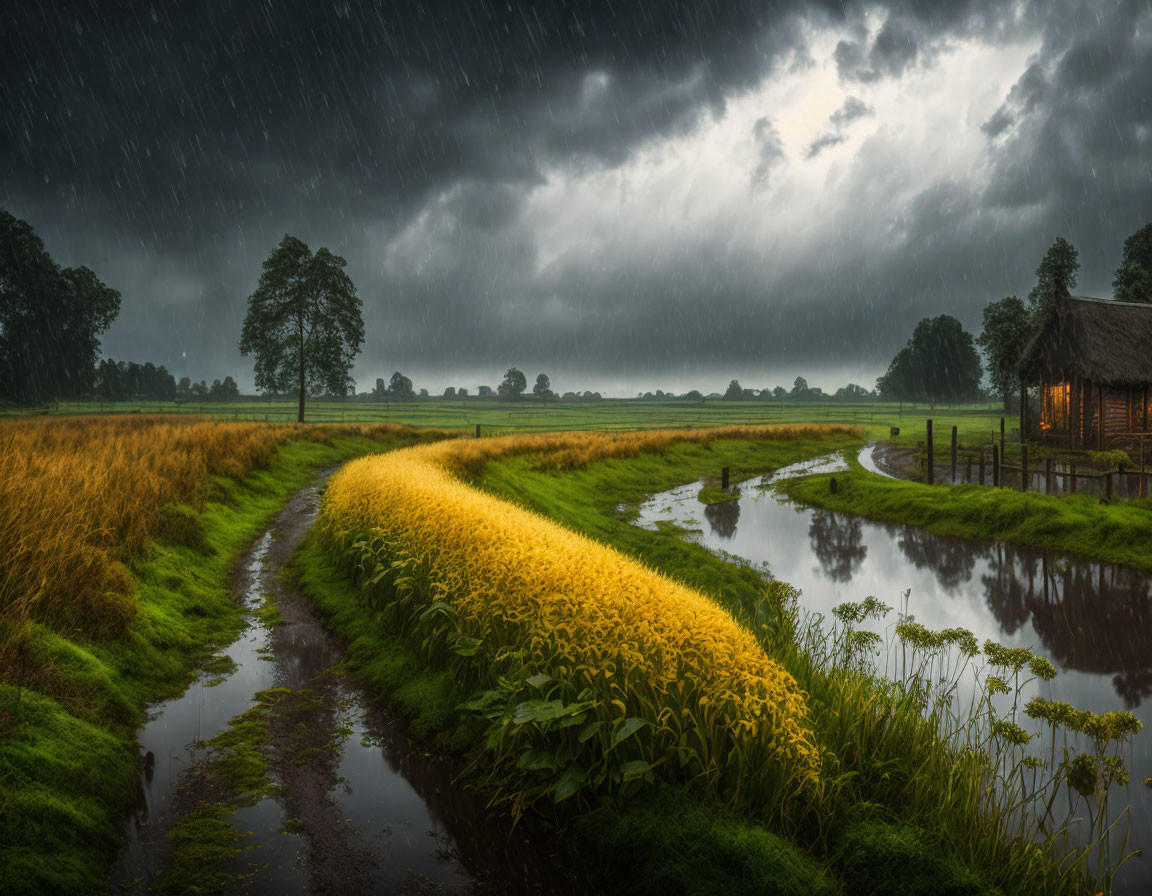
column 1007, row 329
column 938, row 364
column 514, row 384
column 1056, row 274
column 49, row 319
column 304, row 324
column 1133, row 281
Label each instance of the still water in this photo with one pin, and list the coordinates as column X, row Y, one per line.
column 360, row 808
column 1093, row 621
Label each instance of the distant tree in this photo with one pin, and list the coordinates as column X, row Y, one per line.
column 1133, row 281
column 199, row 391
column 939, row 364
column 304, row 323
column 229, row 390
column 216, row 391
column 734, row 392
column 852, row 392
column 462, row 392
column 542, row 385
column 780, row 392
column 484, row 391
column 450, row 392
column 1056, row 274
column 380, row 393
column 514, row 384
column 424, row 393
column 400, row 388
column 183, row 387
column 1007, row 329
column 49, row 319
column 693, row 395
column 800, row 387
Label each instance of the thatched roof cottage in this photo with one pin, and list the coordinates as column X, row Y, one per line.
column 1092, row 362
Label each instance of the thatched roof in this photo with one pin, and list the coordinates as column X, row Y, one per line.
column 1101, row 340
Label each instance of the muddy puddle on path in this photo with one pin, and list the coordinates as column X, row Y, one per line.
column 1092, row 620
column 350, row 805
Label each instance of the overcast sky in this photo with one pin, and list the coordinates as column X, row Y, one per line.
column 628, row 195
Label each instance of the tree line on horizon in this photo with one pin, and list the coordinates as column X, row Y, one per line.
column 304, row 328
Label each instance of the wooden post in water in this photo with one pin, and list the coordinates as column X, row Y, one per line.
column 1023, row 468
column 1048, row 476
column 953, row 455
column 477, row 430
column 724, row 478
column 981, row 466
column 995, row 467
column 930, row 474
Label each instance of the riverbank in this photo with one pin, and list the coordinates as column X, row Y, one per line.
column 72, row 698
column 1119, row 533
column 898, row 809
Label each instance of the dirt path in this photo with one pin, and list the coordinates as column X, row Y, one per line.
column 283, row 776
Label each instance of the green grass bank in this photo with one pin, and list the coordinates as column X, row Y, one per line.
column 67, row 754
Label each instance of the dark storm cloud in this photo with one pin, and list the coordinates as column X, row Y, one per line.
column 170, row 147
column 893, row 50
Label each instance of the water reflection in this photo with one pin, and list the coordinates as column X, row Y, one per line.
column 723, row 517
column 950, row 560
column 838, row 542
column 1090, row 619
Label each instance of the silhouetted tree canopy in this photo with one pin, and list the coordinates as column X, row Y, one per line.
column 514, row 384
column 543, row 387
column 734, row 391
column 1133, row 281
column 121, row 381
column 1007, row 328
column 49, row 319
column 938, row 364
column 400, row 388
column 1056, row 274
column 304, row 324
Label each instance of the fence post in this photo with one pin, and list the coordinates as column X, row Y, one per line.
column 995, row 467
column 724, row 478
column 953, row 455
column 477, row 430
column 1107, row 488
column 1048, row 476
column 1023, row 468
column 1143, row 490
column 981, row 466
column 930, row 474
column 1073, row 487
column 1002, row 438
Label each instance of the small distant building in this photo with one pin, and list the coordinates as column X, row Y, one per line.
column 1092, row 362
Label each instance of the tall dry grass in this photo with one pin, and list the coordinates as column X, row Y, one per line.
column 80, row 497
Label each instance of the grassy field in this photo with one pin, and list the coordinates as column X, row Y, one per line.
column 119, row 537
column 898, row 808
column 135, row 608
column 977, row 422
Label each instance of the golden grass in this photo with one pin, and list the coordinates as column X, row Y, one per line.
column 632, row 643
column 80, row 497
